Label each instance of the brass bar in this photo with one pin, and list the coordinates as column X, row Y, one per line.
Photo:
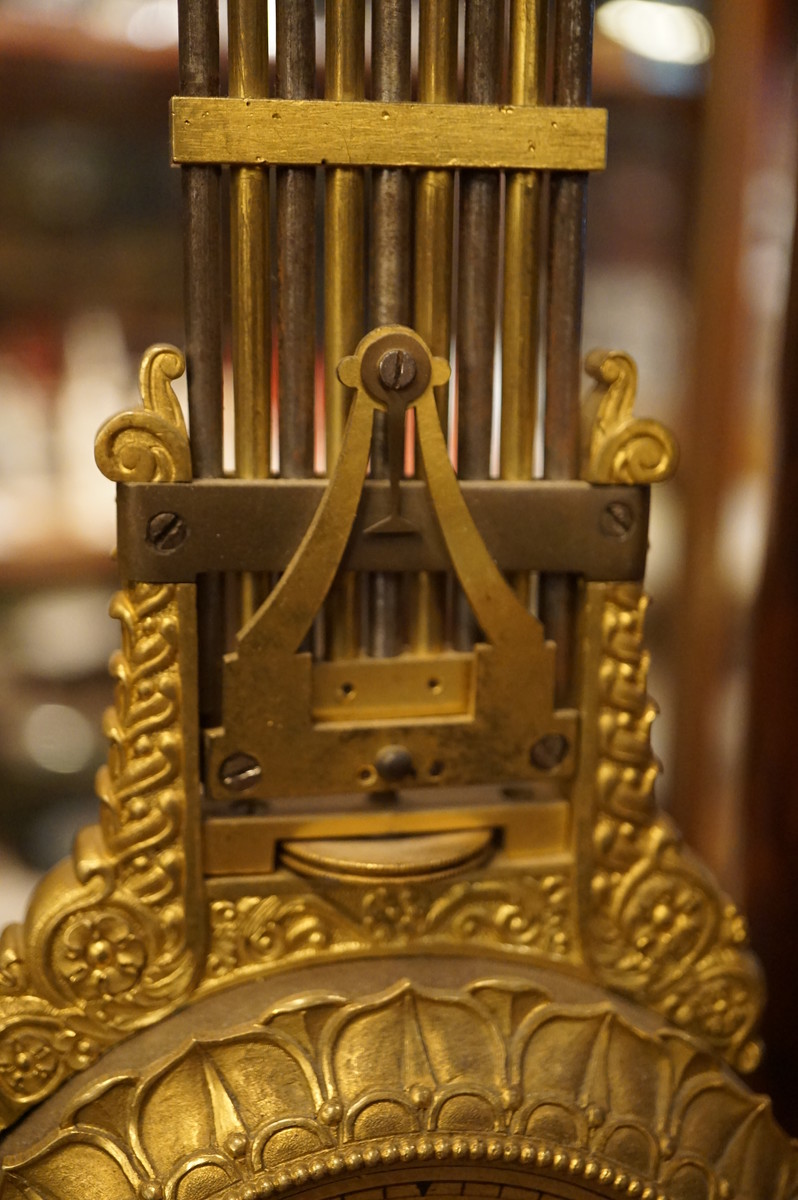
column 478, row 271
column 235, row 846
column 521, row 524
column 366, row 134
column 198, row 28
column 249, row 269
column 573, row 38
column 344, row 315
column 520, row 337
column 389, row 292
column 432, row 298
column 296, row 252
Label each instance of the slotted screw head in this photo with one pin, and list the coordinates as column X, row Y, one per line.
column 617, row 519
column 397, row 369
column 166, row 531
column 549, row 751
column 239, row 771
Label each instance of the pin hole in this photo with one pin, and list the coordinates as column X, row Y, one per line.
column 348, row 690
column 436, row 768
column 434, row 685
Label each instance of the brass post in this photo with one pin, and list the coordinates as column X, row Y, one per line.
column 343, row 281
column 432, row 299
column 202, row 283
column 573, row 39
column 478, row 271
column 520, row 339
column 250, row 269
column 389, row 295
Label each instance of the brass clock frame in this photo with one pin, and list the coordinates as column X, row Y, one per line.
column 509, row 979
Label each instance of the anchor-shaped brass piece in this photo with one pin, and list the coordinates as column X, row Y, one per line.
column 292, row 726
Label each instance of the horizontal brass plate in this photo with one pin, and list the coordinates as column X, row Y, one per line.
column 364, row 133
column 250, row 845
column 597, row 531
column 403, row 686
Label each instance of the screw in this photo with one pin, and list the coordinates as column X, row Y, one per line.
column 549, row 751
column 617, row 520
column 166, row 531
column 397, row 369
column 394, row 763
column 239, row 771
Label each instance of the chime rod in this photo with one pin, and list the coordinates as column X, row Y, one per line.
column 199, row 76
column 478, row 260
column 432, row 299
column 573, row 43
column 520, row 338
column 521, row 259
column 296, row 251
column 343, row 282
column 478, row 267
column 250, row 269
column 389, row 293
column 202, row 284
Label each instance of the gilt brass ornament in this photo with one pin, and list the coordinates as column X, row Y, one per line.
column 559, row 1098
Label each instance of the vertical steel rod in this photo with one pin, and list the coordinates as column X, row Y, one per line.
column 478, row 268
column 202, row 281
column 432, row 299
column 250, row 273
column 343, row 282
column 389, row 292
column 573, row 41
column 520, row 338
column 296, row 251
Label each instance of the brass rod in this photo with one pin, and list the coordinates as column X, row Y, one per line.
column 198, row 26
column 478, row 268
column 344, row 314
column 433, row 258
column 521, row 261
column 573, row 39
column 478, row 258
column 437, row 84
column 520, row 334
column 390, row 259
column 202, row 259
column 250, row 274
column 296, row 252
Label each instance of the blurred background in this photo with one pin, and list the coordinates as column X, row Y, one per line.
column 689, row 236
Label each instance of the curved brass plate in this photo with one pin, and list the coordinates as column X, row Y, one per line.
column 417, row 856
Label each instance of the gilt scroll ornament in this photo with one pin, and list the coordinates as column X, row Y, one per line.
column 657, row 927
column 106, row 947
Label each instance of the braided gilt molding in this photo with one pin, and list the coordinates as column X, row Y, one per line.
column 496, row 1075
column 656, row 925
column 105, row 948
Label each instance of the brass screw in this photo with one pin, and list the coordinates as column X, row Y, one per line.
column 166, row 531
column 397, row 369
column 549, row 751
column 617, row 520
column 239, row 771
